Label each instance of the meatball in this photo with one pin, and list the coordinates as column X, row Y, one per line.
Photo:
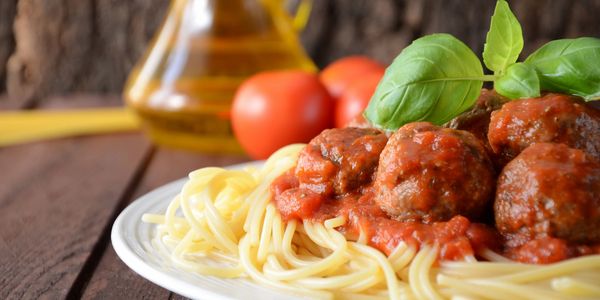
column 359, row 121
column 553, row 118
column 549, row 190
column 428, row 173
column 340, row 160
column 477, row 119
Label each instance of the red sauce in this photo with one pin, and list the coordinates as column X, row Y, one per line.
column 552, row 118
column 548, row 250
column 456, row 238
column 428, row 185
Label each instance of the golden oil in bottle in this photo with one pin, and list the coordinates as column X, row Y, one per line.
column 183, row 87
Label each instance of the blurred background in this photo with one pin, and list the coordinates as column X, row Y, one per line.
column 64, row 69
column 60, row 47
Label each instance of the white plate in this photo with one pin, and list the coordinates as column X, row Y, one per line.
column 131, row 240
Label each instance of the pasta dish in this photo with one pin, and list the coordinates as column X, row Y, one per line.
column 419, row 215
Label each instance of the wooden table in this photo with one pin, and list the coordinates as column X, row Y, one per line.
column 58, row 201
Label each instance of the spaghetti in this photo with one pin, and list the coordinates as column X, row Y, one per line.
column 223, row 223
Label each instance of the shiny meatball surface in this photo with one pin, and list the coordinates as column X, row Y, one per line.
column 340, row 160
column 427, row 173
column 477, row 120
column 552, row 118
column 549, row 190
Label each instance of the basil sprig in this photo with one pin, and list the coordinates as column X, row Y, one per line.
column 503, row 44
column 434, row 78
column 569, row 66
column 437, row 77
column 504, row 41
column 518, row 81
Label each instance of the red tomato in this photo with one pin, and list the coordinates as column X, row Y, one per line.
column 338, row 76
column 274, row 109
column 354, row 100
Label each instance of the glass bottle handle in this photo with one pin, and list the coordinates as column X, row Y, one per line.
column 300, row 18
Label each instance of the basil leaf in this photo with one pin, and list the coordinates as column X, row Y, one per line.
column 434, row 79
column 519, row 81
column 569, row 66
column 504, row 40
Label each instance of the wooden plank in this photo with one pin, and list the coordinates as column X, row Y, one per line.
column 69, row 46
column 82, row 101
column 112, row 279
column 8, row 10
column 71, row 101
column 7, row 103
column 56, row 200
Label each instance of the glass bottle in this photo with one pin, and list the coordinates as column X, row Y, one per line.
column 184, row 85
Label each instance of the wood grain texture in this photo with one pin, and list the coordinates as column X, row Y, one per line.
column 56, row 199
column 8, row 10
column 66, row 46
column 82, row 101
column 112, row 279
column 177, row 297
column 382, row 28
column 5, row 104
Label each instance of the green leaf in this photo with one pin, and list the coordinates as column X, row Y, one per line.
column 519, row 81
column 504, row 40
column 434, row 79
column 569, row 66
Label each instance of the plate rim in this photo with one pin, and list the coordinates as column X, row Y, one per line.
column 133, row 261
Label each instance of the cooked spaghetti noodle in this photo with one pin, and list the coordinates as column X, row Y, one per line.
column 223, row 223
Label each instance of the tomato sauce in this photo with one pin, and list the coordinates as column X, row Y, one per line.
column 552, row 118
column 428, row 185
column 457, row 238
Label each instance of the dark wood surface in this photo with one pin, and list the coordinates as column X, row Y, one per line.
column 58, row 200
column 8, row 10
column 55, row 47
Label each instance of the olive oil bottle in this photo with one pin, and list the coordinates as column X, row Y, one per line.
column 184, row 85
